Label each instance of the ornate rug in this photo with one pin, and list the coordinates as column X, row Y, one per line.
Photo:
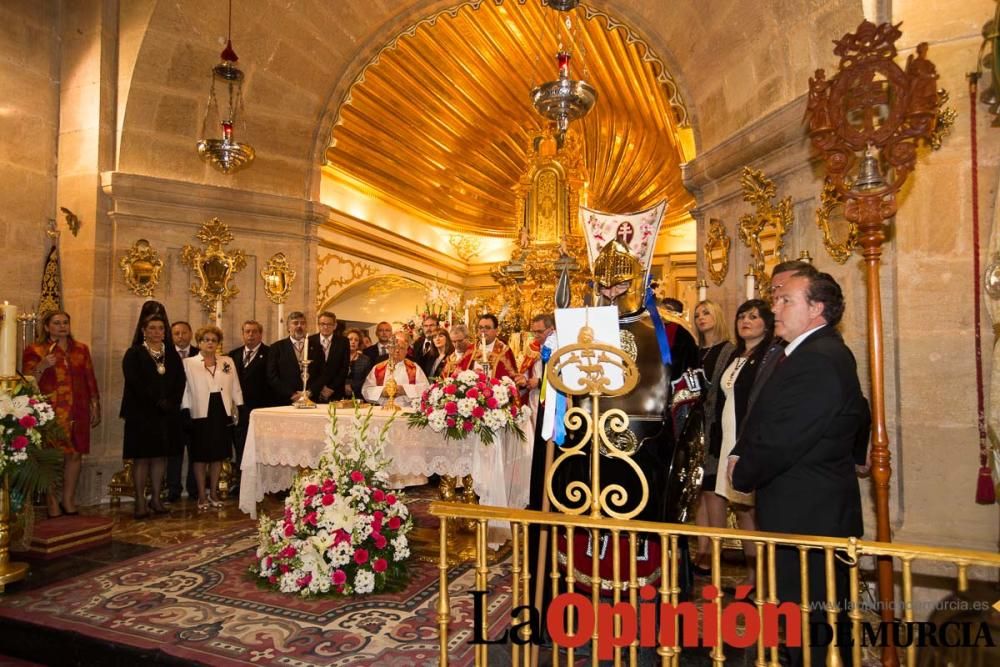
column 195, row 602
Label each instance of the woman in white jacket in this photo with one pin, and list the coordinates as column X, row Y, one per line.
column 212, row 395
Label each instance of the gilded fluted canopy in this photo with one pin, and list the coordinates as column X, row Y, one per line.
column 440, row 121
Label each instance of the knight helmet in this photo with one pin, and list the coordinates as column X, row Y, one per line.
column 613, row 266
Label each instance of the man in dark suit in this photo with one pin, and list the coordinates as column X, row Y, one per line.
column 335, row 357
column 803, row 438
column 379, row 352
column 180, row 333
column 250, row 360
column 424, row 352
column 283, row 372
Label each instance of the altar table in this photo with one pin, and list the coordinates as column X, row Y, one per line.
column 282, row 440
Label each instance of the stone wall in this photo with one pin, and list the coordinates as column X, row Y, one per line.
column 926, row 282
column 29, row 122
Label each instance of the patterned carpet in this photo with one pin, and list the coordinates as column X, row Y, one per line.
column 195, row 603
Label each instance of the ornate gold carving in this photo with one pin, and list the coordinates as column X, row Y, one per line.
column 829, row 202
column 628, row 343
column 214, row 268
column 945, row 120
column 717, row 244
column 603, row 431
column 351, row 272
column 51, row 296
column 141, row 266
column 763, row 231
column 465, row 247
column 278, row 277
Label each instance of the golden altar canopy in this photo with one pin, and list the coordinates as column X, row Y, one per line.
column 439, row 121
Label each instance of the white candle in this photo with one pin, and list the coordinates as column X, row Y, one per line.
column 281, row 319
column 218, row 313
column 702, row 290
column 305, row 349
column 449, row 317
column 751, row 288
column 485, row 358
column 8, row 340
column 466, row 316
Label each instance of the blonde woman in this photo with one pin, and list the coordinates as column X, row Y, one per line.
column 212, row 394
column 716, row 350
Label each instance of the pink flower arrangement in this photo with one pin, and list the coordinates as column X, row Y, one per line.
column 471, row 402
column 23, row 419
column 341, row 532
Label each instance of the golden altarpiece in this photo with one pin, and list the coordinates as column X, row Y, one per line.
column 549, row 240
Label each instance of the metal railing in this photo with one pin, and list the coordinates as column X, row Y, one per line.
column 564, row 575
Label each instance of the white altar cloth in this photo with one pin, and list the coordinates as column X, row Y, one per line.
column 282, row 440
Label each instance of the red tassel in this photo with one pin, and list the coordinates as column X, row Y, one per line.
column 985, row 492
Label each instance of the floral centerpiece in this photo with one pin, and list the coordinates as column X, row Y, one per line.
column 471, row 402
column 25, row 417
column 342, row 532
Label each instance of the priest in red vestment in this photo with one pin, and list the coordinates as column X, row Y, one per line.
column 494, row 351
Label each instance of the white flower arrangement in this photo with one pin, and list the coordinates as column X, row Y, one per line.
column 23, row 417
column 342, row 532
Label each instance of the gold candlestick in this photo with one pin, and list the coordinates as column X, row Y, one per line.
column 391, row 387
column 303, row 402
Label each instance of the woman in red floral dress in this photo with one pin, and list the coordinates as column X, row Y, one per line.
column 65, row 374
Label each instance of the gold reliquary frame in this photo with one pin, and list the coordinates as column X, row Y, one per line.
column 141, row 266
column 763, row 231
column 214, row 268
column 278, row 277
column 829, row 202
column 717, row 244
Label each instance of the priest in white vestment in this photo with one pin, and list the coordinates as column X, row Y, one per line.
column 410, row 379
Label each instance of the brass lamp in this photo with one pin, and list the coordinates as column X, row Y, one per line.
column 564, row 99
column 225, row 153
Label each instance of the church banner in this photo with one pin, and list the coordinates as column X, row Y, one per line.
column 636, row 230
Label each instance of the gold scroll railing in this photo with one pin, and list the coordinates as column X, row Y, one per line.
column 849, row 551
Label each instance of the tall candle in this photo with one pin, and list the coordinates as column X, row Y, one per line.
column 281, row 319
column 305, row 349
column 751, row 288
column 702, row 290
column 8, row 340
column 218, row 313
column 485, row 358
column 466, row 316
column 449, row 317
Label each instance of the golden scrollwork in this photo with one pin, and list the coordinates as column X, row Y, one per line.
column 351, row 271
column 829, row 200
column 603, row 431
column 717, row 244
column 141, row 266
column 214, row 267
column 945, row 119
column 278, row 277
column 763, row 231
column 465, row 247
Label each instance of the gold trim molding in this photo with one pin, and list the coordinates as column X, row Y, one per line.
column 829, row 200
column 141, row 266
column 717, row 245
column 214, row 268
column 355, row 271
column 763, row 231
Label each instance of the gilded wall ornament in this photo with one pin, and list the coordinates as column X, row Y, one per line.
column 278, row 277
column 350, row 271
column 763, row 231
column 214, row 267
column 945, row 120
column 830, row 201
column 717, row 244
column 141, row 266
column 465, row 247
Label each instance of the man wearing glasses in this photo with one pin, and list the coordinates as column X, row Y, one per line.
column 529, row 376
column 489, row 351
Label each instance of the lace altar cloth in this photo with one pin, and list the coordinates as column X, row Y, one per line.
column 282, row 440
